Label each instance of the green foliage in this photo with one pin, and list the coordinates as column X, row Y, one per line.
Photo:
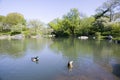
column 17, row 28
column 115, row 29
column 35, row 26
column 15, row 18
column 71, row 24
column 14, row 33
column 85, row 25
column 106, row 33
column 106, row 15
column 72, row 20
column 27, row 33
column 59, row 27
column 98, row 35
column 68, row 25
column 99, row 25
column 108, row 8
column 13, row 22
column 2, row 20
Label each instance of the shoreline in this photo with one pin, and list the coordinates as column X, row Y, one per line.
column 22, row 36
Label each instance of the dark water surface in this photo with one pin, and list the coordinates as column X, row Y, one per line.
column 93, row 60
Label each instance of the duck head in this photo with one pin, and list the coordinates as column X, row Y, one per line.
column 35, row 59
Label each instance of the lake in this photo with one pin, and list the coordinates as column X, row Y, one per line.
column 92, row 59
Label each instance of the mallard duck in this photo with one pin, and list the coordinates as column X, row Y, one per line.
column 35, row 59
column 70, row 64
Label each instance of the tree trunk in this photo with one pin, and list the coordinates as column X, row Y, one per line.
column 111, row 15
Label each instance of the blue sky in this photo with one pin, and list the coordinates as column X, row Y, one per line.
column 47, row 10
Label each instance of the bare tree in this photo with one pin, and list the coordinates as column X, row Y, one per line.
column 109, row 8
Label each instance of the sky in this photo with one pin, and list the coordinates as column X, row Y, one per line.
column 48, row 10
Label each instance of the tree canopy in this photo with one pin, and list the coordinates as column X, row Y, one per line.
column 109, row 8
column 68, row 24
column 15, row 18
column 72, row 24
column 72, row 20
column 105, row 22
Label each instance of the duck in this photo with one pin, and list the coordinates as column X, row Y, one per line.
column 70, row 64
column 35, row 59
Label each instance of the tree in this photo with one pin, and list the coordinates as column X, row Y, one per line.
column 100, row 24
column 72, row 24
column 17, row 28
column 72, row 20
column 68, row 25
column 108, row 14
column 108, row 8
column 59, row 27
column 116, row 16
column 2, row 20
column 15, row 18
column 36, row 26
column 115, row 29
column 86, row 25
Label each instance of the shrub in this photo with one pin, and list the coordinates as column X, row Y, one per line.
column 14, row 33
column 98, row 35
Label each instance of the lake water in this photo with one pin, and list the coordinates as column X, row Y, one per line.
column 93, row 59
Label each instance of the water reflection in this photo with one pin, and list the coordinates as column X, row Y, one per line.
column 116, row 70
column 93, row 59
column 18, row 48
column 68, row 47
column 13, row 48
column 0, row 78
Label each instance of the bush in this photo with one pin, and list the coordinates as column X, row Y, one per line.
column 14, row 33
column 27, row 34
column 98, row 35
column 106, row 33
